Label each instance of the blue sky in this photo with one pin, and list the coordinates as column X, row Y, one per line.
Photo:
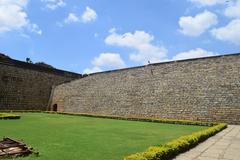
column 96, row 35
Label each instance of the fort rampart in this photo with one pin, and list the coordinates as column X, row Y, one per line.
column 25, row 86
column 205, row 89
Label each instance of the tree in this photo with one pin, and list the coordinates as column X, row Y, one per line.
column 44, row 64
column 28, row 60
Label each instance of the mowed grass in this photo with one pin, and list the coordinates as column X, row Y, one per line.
column 64, row 137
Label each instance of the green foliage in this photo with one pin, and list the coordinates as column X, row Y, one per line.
column 9, row 116
column 28, row 60
column 43, row 64
column 173, row 148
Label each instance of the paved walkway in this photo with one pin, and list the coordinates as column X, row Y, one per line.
column 223, row 146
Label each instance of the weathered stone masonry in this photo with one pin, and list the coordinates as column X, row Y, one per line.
column 206, row 89
column 25, row 86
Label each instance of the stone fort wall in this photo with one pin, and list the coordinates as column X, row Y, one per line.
column 205, row 89
column 25, row 86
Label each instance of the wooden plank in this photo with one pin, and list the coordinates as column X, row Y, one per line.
column 13, row 148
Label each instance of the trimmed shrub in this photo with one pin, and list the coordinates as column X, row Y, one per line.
column 9, row 116
column 177, row 146
column 169, row 121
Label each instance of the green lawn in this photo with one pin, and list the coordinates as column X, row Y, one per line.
column 63, row 137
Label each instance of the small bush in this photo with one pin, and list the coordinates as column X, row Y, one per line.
column 9, row 116
column 175, row 147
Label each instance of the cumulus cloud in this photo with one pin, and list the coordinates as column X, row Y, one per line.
column 89, row 15
column 22, row 3
column 195, row 26
column 195, row 53
column 106, row 61
column 230, row 32
column 72, row 17
column 207, row 2
column 109, row 60
column 14, row 17
column 54, row 4
column 141, row 42
column 233, row 10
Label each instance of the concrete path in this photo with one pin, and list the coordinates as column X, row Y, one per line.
column 223, row 146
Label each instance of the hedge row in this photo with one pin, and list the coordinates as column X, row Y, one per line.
column 156, row 120
column 175, row 147
column 170, row 121
column 9, row 116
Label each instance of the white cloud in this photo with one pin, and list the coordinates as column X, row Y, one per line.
column 88, row 15
column 195, row 53
column 14, row 17
column 92, row 70
column 233, row 10
column 208, row 2
column 230, row 32
column 141, row 42
column 109, row 60
column 106, row 61
column 34, row 28
column 195, row 26
column 21, row 3
column 71, row 18
column 54, row 4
